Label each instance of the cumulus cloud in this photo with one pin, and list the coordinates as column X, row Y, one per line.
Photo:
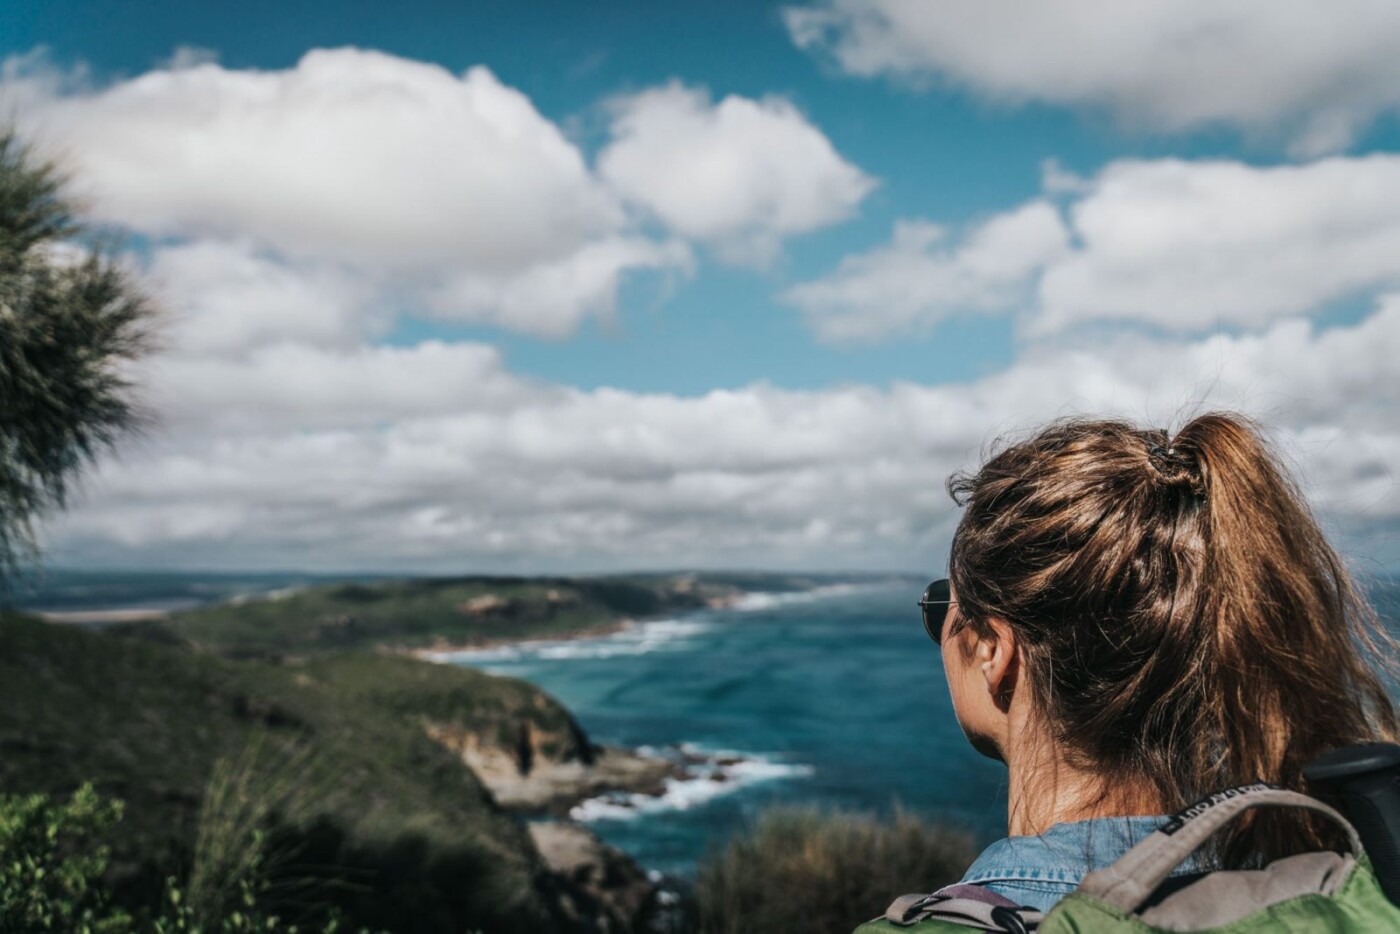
column 1184, row 246
column 359, row 171
column 552, row 298
column 919, row 278
column 1315, row 72
column 232, row 298
column 291, row 386
column 424, row 183
column 1187, row 245
column 738, row 174
column 436, row 457
column 351, row 155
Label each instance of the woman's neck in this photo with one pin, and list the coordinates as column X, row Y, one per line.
column 1044, row 789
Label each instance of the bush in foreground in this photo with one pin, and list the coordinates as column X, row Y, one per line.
column 53, row 855
column 803, row 869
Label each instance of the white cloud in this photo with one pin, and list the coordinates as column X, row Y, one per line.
column 438, row 458
column 358, row 171
column 1313, row 71
column 552, row 298
column 290, row 386
column 227, row 298
column 350, row 155
column 918, row 279
column 1187, row 245
column 376, row 171
column 740, row 174
column 1178, row 245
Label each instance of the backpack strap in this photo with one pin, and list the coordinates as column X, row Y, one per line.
column 970, row 906
column 1130, row 882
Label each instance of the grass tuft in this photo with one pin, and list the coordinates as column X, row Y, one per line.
column 821, row 872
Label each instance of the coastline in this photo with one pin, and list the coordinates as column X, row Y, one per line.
column 440, row 648
column 342, row 645
column 616, row 783
column 102, row 617
column 561, row 800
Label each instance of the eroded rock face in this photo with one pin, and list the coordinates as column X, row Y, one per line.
column 530, row 775
column 619, row 891
column 538, row 772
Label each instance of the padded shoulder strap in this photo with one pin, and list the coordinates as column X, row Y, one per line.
column 1130, row 881
column 981, row 914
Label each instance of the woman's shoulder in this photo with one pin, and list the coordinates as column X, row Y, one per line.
column 1039, row 870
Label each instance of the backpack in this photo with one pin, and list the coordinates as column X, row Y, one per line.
column 1313, row 892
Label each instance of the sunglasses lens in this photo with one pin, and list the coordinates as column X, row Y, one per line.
column 934, row 604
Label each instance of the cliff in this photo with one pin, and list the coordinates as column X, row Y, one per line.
column 523, row 745
column 383, row 820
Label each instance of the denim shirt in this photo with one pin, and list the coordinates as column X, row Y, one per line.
column 1038, row 871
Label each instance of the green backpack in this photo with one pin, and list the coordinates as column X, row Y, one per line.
column 1313, row 892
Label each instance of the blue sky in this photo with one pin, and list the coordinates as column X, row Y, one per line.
column 937, row 119
column 940, row 154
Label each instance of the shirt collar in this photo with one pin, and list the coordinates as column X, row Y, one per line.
column 1067, row 852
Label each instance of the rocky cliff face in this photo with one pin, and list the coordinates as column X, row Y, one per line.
column 603, row 882
column 533, row 758
column 530, row 775
column 536, row 770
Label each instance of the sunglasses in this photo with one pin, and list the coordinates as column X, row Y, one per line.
column 934, row 606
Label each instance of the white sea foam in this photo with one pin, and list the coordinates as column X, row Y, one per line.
column 762, row 600
column 710, row 775
column 633, row 639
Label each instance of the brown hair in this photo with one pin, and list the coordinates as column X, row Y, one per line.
column 1183, row 622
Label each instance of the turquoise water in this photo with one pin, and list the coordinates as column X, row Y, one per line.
column 838, row 699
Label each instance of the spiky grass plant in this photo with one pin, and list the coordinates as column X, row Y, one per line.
column 72, row 319
column 822, row 872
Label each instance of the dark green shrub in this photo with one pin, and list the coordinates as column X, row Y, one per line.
column 802, row 869
column 52, row 857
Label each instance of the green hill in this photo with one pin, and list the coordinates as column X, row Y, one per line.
column 420, row 612
column 371, row 815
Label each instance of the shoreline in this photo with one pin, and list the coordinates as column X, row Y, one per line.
column 615, row 782
column 100, row 617
column 442, row 647
column 621, row 783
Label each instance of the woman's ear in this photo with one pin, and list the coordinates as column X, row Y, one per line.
column 998, row 659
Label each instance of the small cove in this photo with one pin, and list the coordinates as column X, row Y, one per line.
column 835, row 698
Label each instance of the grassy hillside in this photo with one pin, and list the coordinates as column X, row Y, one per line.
column 499, row 711
column 458, row 611
column 374, row 816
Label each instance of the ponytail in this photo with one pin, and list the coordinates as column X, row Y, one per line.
column 1185, row 625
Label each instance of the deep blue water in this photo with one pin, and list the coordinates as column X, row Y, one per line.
column 842, row 697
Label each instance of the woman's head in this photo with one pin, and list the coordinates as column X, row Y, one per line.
column 1179, row 621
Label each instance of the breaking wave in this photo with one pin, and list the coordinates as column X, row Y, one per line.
column 633, row 639
column 760, row 600
column 709, row 774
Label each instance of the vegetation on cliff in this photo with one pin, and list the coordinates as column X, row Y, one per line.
column 456, row 611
